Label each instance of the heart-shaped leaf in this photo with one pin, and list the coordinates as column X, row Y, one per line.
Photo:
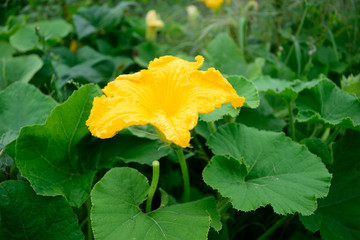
column 25, row 215
column 21, row 105
column 116, row 213
column 47, row 155
column 265, row 168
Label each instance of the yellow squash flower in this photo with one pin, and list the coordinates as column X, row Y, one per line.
column 152, row 24
column 169, row 95
column 213, row 4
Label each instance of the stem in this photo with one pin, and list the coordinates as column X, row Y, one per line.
column 212, row 127
column 154, row 183
column 332, row 137
column 185, row 173
column 224, row 231
column 273, row 228
column 325, row 134
column 291, row 121
column 89, row 230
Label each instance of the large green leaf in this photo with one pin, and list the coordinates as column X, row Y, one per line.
column 325, row 103
column 338, row 215
column 50, row 30
column 47, row 154
column 244, row 88
column 265, row 168
column 18, row 69
column 21, row 105
column 125, row 189
column 25, row 215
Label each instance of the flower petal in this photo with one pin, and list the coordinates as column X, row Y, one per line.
column 169, row 95
column 211, row 90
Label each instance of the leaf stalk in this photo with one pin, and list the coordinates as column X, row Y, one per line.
column 153, row 186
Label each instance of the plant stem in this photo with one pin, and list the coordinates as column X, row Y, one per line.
column 212, row 127
column 185, row 173
column 274, row 227
column 224, row 233
column 332, row 137
column 325, row 134
column 291, row 121
column 89, row 230
column 154, row 183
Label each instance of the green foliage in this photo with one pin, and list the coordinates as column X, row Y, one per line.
column 47, row 155
column 18, row 69
column 48, row 30
column 97, row 18
column 25, row 215
column 288, row 69
column 338, row 215
column 123, row 219
column 22, row 105
column 265, row 168
column 325, row 103
column 244, row 88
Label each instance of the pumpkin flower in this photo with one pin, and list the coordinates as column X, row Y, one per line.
column 169, row 95
column 152, row 24
column 213, row 4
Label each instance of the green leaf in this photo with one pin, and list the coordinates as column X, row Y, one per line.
column 18, row 69
column 276, row 87
column 265, row 168
column 351, row 84
column 50, row 30
column 325, row 103
column 47, row 155
column 338, row 215
column 6, row 50
column 147, row 51
column 123, row 147
column 25, row 215
column 247, row 89
column 96, row 18
column 126, row 189
column 319, row 148
column 225, row 110
column 223, row 54
column 244, row 88
column 263, row 117
column 21, row 105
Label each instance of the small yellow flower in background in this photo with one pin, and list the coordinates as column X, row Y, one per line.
column 152, row 24
column 213, row 4
column 74, row 45
column 192, row 11
column 169, row 95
